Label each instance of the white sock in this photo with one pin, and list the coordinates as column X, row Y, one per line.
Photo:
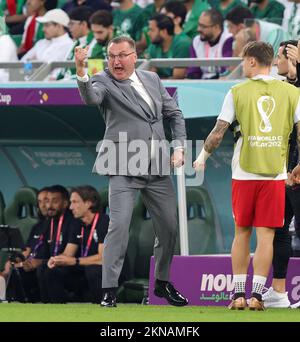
column 239, row 283
column 280, row 294
column 258, row 284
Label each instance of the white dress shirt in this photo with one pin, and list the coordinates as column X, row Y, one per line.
column 139, row 87
column 49, row 50
column 8, row 54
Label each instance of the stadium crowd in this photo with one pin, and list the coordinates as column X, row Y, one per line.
column 49, row 30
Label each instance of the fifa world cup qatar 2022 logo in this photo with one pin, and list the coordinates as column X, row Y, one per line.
column 266, row 106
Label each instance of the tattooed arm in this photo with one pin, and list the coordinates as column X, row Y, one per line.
column 213, row 141
column 216, row 136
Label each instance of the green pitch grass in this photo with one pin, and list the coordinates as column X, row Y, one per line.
column 13, row 312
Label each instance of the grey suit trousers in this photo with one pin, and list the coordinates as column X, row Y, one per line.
column 159, row 197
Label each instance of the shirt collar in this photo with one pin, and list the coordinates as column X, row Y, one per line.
column 134, row 78
column 263, row 77
column 216, row 41
column 82, row 40
column 57, row 39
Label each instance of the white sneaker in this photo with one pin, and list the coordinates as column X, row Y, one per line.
column 274, row 299
column 295, row 305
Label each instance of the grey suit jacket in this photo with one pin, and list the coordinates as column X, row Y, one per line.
column 127, row 123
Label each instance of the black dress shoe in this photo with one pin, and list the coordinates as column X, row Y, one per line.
column 166, row 290
column 109, row 300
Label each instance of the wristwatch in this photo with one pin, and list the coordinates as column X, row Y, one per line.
column 77, row 261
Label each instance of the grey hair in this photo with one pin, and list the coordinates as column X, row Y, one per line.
column 121, row 39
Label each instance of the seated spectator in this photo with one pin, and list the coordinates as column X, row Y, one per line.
column 143, row 3
column 148, row 12
column 95, row 5
column 225, row 6
column 152, row 9
column 213, row 41
column 103, row 31
column 61, row 233
column 194, row 9
column 268, row 10
column 129, row 19
column 57, row 42
column 236, row 23
column 79, row 26
column 164, row 44
column 268, row 32
column 291, row 20
column 244, row 29
column 8, row 50
column 177, row 12
column 15, row 15
column 86, row 206
column 33, row 30
column 32, row 258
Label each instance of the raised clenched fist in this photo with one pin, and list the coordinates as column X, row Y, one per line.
column 81, row 55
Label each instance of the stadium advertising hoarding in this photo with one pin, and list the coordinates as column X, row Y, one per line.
column 206, row 280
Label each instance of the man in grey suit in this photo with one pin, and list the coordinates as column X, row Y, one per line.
column 133, row 104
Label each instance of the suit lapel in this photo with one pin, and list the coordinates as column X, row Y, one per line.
column 149, row 88
column 126, row 91
column 128, row 94
column 121, row 85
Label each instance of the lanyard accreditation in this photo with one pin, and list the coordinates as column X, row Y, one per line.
column 84, row 252
column 57, row 240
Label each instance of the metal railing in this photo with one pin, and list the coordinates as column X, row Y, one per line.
column 41, row 70
column 192, row 62
column 16, row 69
